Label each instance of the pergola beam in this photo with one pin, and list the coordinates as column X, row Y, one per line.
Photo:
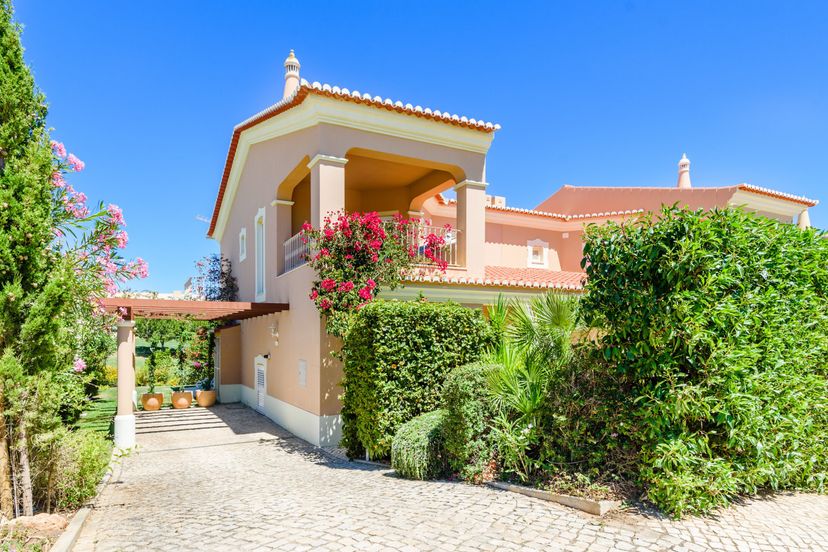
column 131, row 308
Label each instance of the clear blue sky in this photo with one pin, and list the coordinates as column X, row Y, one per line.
column 589, row 93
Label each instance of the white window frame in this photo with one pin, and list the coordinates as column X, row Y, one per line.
column 260, row 247
column 530, row 260
column 242, row 244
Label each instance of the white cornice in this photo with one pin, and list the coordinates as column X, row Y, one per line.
column 315, row 110
column 327, row 160
column 760, row 202
column 471, row 184
column 281, row 202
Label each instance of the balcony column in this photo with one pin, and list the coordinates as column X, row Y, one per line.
column 803, row 221
column 327, row 187
column 284, row 230
column 471, row 221
column 125, row 417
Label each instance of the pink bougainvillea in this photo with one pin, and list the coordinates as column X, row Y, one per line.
column 354, row 254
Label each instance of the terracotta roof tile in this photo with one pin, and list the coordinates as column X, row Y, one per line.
column 502, row 276
column 306, row 88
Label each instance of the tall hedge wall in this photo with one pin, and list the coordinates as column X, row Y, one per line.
column 396, row 356
column 716, row 352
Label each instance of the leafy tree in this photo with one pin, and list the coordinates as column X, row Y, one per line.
column 56, row 258
column 215, row 280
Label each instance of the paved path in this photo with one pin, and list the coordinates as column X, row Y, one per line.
column 228, row 479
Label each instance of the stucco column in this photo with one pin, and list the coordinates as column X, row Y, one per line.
column 803, row 221
column 471, row 221
column 327, row 187
column 284, row 230
column 125, row 418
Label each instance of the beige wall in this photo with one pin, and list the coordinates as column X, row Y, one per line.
column 299, row 338
column 230, row 351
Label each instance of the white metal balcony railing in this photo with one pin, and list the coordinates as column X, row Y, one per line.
column 296, row 251
column 417, row 238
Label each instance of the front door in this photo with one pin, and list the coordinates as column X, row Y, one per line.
column 261, row 369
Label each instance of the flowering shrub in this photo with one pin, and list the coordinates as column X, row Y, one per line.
column 91, row 240
column 354, row 254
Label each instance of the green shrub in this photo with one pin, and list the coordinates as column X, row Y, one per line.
column 70, row 464
column 714, row 353
column 418, row 450
column 469, row 414
column 396, row 357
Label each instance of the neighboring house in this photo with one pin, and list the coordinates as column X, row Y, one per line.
column 321, row 149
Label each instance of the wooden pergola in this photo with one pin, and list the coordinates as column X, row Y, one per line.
column 128, row 309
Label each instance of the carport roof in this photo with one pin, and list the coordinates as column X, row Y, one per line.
column 130, row 308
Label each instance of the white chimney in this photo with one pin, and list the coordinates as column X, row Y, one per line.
column 291, row 75
column 684, row 172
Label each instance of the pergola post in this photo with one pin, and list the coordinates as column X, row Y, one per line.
column 125, row 418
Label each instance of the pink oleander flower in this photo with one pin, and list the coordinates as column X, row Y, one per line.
column 79, row 365
column 328, row 284
column 365, row 293
column 314, row 294
column 197, row 364
column 57, row 180
column 122, row 239
column 306, row 226
column 346, row 286
column 110, row 287
column 76, row 164
column 371, row 284
column 140, row 268
column 58, row 148
column 116, row 214
column 325, row 304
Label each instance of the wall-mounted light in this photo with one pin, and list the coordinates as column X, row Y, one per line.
column 274, row 332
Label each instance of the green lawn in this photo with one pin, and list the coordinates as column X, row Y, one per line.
column 98, row 416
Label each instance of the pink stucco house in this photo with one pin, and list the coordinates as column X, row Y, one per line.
column 323, row 148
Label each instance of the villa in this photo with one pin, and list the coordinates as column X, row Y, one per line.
column 322, row 149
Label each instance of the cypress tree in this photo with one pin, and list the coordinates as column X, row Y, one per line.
column 32, row 285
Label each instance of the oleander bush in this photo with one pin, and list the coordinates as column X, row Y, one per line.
column 469, row 416
column 396, row 357
column 418, row 449
column 710, row 376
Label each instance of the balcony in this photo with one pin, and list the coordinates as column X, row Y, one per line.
column 296, row 251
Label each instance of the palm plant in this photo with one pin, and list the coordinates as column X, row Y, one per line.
column 543, row 328
column 537, row 339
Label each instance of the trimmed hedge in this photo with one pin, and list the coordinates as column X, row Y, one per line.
column 715, row 353
column 396, row 357
column 418, row 450
column 469, row 413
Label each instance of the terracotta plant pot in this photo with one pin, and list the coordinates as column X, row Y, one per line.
column 152, row 401
column 206, row 398
column 182, row 399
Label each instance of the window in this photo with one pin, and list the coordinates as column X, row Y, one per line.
column 537, row 254
column 242, row 244
column 259, row 230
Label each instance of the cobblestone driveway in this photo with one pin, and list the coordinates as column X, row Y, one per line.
column 227, row 479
